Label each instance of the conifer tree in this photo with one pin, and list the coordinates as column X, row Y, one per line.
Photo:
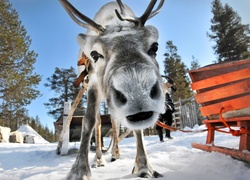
column 61, row 82
column 194, row 63
column 33, row 123
column 176, row 69
column 230, row 35
column 18, row 80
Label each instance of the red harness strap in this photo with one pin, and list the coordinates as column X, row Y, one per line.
column 83, row 61
column 161, row 124
column 232, row 131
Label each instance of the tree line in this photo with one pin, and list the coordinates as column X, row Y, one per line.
column 44, row 131
column 18, row 81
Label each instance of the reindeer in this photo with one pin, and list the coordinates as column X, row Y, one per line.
column 122, row 71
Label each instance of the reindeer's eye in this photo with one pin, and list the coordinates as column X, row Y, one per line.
column 95, row 55
column 153, row 49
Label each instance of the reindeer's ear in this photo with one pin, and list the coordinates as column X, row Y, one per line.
column 153, row 32
column 81, row 36
column 81, row 39
column 85, row 41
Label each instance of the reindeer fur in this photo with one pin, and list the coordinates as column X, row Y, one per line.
column 123, row 72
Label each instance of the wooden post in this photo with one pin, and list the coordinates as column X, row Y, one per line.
column 210, row 134
column 65, row 142
column 244, row 138
column 180, row 112
column 67, row 122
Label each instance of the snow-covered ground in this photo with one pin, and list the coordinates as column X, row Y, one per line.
column 175, row 159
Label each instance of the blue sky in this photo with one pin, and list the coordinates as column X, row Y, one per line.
column 53, row 34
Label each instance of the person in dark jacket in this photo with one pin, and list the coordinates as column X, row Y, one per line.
column 167, row 117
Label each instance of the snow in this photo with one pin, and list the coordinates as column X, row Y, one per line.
column 175, row 159
column 27, row 130
column 5, row 133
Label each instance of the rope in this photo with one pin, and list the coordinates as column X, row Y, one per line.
column 232, row 131
column 161, row 124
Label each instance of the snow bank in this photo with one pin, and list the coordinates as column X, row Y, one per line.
column 4, row 134
column 27, row 130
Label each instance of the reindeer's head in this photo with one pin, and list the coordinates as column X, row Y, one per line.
column 123, row 67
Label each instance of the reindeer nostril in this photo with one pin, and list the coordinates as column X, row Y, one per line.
column 154, row 91
column 120, row 97
column 140, row 116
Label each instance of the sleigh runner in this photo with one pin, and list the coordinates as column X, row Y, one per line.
column 223, row 90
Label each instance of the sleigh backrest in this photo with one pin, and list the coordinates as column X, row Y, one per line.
column 224, row 85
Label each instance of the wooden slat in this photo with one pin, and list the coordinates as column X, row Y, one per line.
column 223, row 92
column 229, row 64
column 217, row 69
column 233, row 104
column 232, row 119
column 245, row 156
column 221, row 79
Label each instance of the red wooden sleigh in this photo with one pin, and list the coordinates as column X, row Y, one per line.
column 223, row 90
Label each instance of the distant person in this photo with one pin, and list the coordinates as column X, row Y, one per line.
column 167, row 117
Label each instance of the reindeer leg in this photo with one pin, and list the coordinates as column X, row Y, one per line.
column 81, row 169
column 115, row 148
column 142, row 166
column 99, row 160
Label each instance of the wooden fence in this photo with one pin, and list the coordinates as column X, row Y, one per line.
column 186, row 113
